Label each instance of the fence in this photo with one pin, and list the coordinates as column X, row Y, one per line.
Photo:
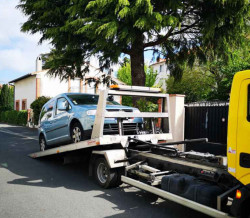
column 207, row 120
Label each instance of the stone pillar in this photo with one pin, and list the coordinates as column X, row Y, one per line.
column 177, row 118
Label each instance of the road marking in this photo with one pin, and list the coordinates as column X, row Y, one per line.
column 17, row 134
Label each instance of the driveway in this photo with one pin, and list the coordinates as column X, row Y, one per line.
column 48, row 188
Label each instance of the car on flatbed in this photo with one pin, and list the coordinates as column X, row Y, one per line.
column 70, row 117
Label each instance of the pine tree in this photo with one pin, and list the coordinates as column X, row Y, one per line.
column 6, row 98
column 182, row 29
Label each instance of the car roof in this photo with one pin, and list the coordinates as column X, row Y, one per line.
column 66, row 95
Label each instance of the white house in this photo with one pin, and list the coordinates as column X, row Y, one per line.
column 162, row 72
column 33, row 85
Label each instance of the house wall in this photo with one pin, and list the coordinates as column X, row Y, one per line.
column 52, row 86
column 162, row 75
column 25, row 89
column 42, row 84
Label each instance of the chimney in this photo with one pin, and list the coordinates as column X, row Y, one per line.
column 39, row 65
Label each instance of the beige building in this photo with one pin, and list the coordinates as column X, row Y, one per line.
column 33, row 85
column 163, row 73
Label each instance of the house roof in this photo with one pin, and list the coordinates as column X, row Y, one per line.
column 26, row 76
column 160, row 61
column 21, row 78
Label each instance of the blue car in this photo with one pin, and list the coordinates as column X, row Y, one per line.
column 69, row 117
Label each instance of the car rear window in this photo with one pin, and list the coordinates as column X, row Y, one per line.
column 88, row 100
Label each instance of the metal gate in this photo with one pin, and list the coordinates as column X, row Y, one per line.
column 207, row 120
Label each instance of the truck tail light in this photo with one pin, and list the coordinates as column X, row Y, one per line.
column 238, row 194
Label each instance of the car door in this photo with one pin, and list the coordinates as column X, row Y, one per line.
column 60, row 124
column 46, row 120
column 243, row 134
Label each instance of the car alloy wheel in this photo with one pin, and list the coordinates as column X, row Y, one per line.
column 76, row 134
column 42, row 143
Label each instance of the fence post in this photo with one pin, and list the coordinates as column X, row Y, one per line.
column 177, row 118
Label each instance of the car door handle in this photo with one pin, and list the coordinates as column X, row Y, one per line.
column 245, row 160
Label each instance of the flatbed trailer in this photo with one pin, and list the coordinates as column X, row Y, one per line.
column 150, row 161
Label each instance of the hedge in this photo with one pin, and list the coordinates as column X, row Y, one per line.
column 37, row 105
column 14, row 117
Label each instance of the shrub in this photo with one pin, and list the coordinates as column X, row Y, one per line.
column 37, row 107
column 22, row 117
column 14, row 117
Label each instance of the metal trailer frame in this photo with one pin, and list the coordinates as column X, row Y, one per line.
column 97, row 137
column 153, row 177
column 175, row 198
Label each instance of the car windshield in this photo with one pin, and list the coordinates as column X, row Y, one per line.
column 89, row 100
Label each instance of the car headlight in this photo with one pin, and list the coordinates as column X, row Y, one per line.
column 91, row 112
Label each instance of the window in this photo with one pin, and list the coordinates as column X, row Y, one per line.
column 17, row 105
column 161, row 68
column 46, row 112
column 62, row 103
column 24, row 104
column 89, row 100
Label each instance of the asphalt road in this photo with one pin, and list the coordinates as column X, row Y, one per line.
column 47, row 188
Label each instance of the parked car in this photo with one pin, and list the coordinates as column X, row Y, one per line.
column 69, row 117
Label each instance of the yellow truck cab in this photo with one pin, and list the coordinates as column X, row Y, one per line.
column 238, row 141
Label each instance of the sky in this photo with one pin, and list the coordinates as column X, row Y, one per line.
column 18, row 50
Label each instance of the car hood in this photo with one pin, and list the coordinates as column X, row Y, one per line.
column 93, row 107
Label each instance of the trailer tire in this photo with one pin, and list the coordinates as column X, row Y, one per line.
column 105, row 176
column 42, row 143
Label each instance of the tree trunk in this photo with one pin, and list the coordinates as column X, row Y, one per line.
column 137, row 65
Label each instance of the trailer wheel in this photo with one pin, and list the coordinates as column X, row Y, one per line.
column 42, row 143
column 76, row 133
column 105, row 176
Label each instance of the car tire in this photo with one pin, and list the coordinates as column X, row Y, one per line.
column 105, row 176
column 42, row 143
column 76, row 133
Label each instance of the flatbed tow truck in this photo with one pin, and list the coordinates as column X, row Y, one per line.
column 214, row 185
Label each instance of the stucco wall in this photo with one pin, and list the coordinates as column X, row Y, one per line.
column 25, row 89
column 51, row 86
column 162, row 76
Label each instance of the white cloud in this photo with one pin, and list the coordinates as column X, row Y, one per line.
column 18, row 51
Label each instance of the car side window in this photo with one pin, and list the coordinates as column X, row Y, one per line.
column 46, row 112
column 62, row 105
column 43, row 113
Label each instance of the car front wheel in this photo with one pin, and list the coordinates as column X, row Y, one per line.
column 76, row 133
column 42, row 143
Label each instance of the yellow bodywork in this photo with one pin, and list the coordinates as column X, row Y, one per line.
column 238, row 139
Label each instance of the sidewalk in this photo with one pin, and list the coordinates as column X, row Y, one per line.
column 21, row 130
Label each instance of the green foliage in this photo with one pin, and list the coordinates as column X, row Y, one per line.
column 6, row 98
column 223, row 72
column 183, row 29
column 37, row 107
column 194, row 84
column 210, row 81
column 124, row 74
column 14, row 117
column 147, row 105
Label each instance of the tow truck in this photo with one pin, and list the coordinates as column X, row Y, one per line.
column 150, row 160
